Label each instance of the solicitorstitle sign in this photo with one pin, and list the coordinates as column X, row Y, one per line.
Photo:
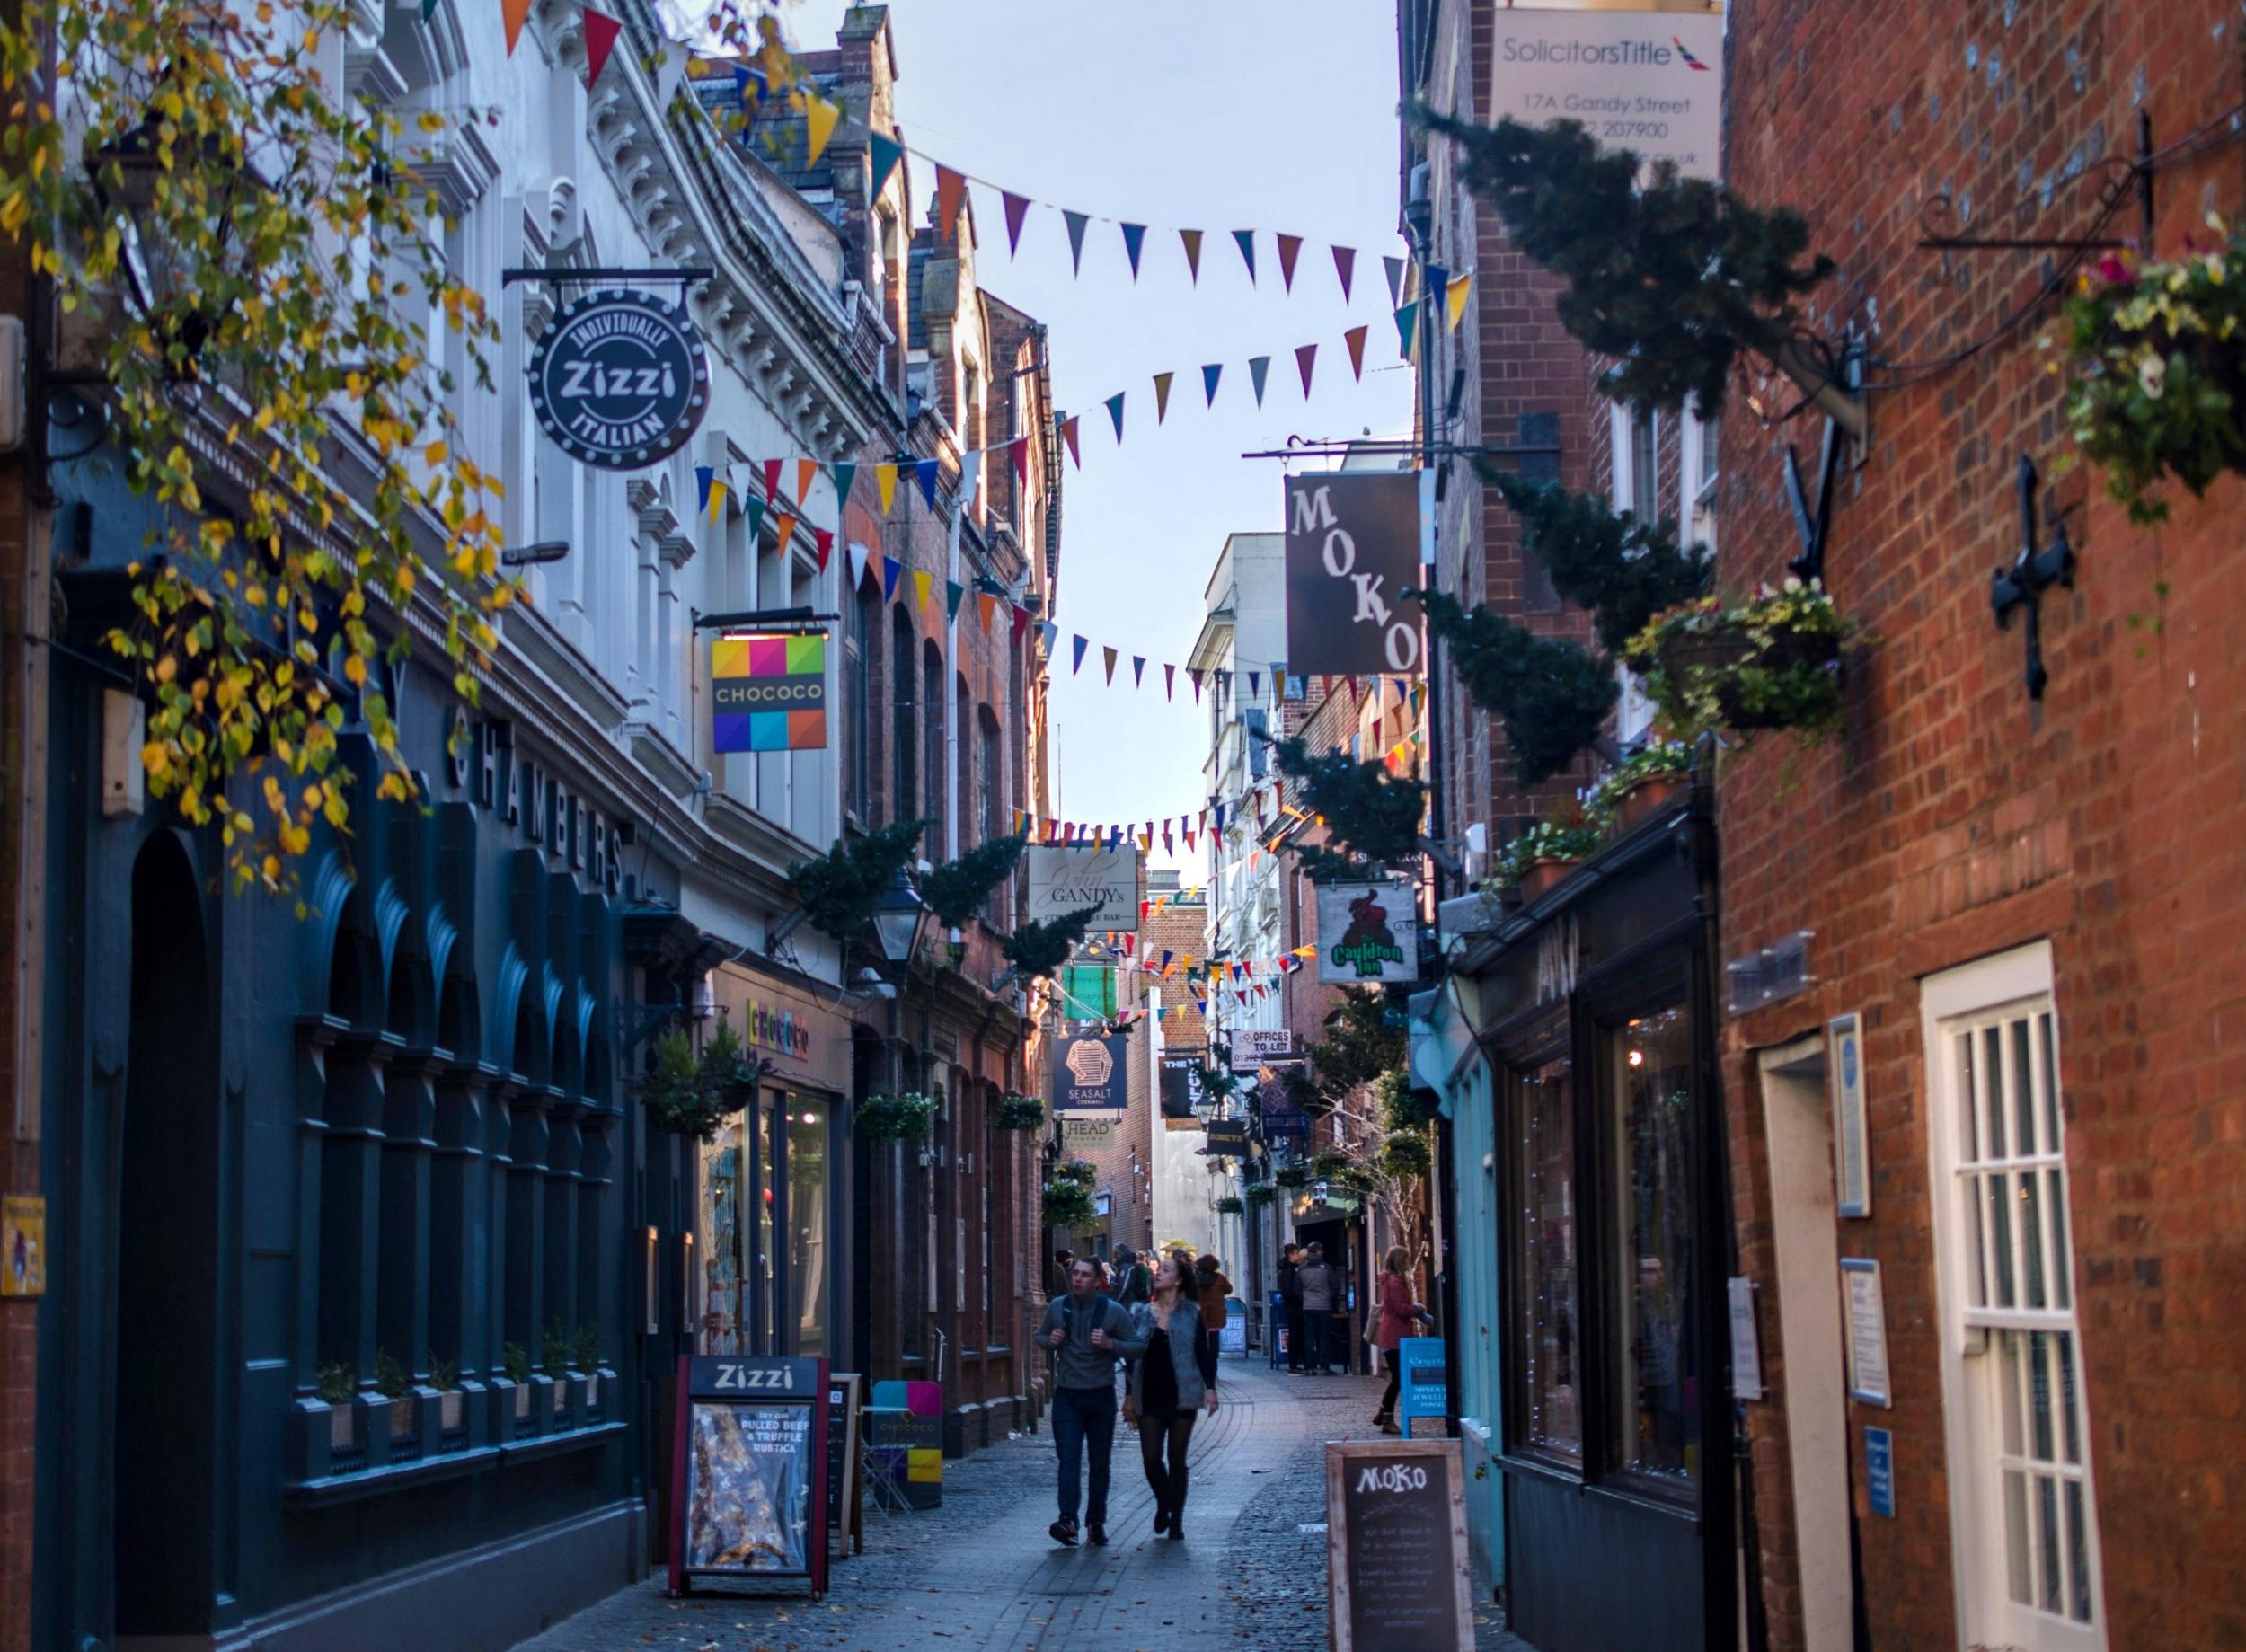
column 1089, row 1073
column 1067, row 878
column 1368, row 931
column 1651, row 82
column 1352, row 549
column 768, row 693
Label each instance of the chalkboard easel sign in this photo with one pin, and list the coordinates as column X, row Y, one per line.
column 846, row 1473
column 749, row 1480
column 1396, row 1547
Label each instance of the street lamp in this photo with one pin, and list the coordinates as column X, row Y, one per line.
column 900, row 919
column 166, row 281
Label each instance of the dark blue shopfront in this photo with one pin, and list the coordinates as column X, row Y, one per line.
column 363, row 1269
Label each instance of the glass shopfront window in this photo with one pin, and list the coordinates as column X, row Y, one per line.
column 1542, row 1215
column 807, row 1290
column 1655, row 1395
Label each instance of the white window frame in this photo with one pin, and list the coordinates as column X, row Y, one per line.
column 1633, row 710
column 1971, row 998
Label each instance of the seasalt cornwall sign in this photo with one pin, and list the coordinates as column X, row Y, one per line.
column 619, row 380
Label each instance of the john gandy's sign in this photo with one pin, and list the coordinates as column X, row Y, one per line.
column 1069, row 877
column 1368, row 931
column 619, row 380
column 1651, row 82
column 1352, row 546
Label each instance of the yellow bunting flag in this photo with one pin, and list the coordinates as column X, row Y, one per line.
column 885, row 480
column 921, row 580
column 717, row 500
column 1456, row 298
column 820, row 117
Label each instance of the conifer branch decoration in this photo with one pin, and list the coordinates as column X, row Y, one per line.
column 840, row 888
column 1552, row 696
column 1623, row 571
column 1367, row 811
column 1040, row 947
column 1672, row 279
column 956, row 891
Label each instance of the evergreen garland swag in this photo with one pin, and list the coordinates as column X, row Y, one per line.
column 1672, row 278
column 1623, row 571
column 1040, row 947
column 956, row 891
column 1367, row 810
column 1552, row 696
column 840, row 888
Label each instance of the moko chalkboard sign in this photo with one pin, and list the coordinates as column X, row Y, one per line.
column 1396, row 1547
column 750, row 1496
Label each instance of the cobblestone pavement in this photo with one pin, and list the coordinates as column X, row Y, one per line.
column 980, row 1575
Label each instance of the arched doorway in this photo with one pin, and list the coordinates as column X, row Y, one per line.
column 167, row 1260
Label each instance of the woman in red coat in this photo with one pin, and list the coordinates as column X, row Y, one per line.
column 1399, row 1312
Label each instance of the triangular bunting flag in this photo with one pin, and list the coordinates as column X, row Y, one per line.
column 926, row 471
column 717, row 501
column 884, row 155
column 1076, row 222
column 988, row 604
column 771, row 478
column 1134, row 242
column 1210, row 374
column 1017, row 209
column 952, row 591
column 1108, row 654
column 1246, row 238
column 1345, row 266
column 704, row 475
column 846, row 474
column 824, row 542
column 1077, row 645
column 1355, row 340
column 1255, row 684
column 1162, row 395
column 1138, row 671
column 1396, row 267
column 1195, row 673
column 1115, row 411
column 1068, row 435
column 1407, row 324
column 1021, row 621
column 514, row 13
column 805, row 471
column 601, row 39
column 1305, row 359
column 950, row 187
column 1018, row 450
column 753, row 508
column 1168, row 682
column 1289, row 247
column 784, row 525
column 1050, row 632
column 1192, row 239
column 1258, row 369
column 820, row 117
column 859, row 559
column 924, row 581
column 1456, row 298
column 885, row 480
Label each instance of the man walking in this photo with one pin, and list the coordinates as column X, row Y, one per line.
column 1316, row 1281
column 1291, row 1304
column 1087, row 1333
column 1131, row 1282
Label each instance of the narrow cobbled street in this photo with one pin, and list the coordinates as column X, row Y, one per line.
column 980, row 1573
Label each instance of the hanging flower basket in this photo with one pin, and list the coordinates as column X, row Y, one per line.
column 896, row 1119
column 1020, row 1113
column 1259, row 1194
column 1229, row 1205
column 2158, row 352
column 1291, row 1177
column 677, row 1092
column 1068, row 1204
column 1773, row 662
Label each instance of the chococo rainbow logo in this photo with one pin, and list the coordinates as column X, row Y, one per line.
column 1690, row 61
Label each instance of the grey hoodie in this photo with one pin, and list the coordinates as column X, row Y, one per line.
column 1076, row 1364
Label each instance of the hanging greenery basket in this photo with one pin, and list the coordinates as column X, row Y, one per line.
column 1260, row 1193
column 1068, row 1204
column 2159, row 356
column 1229, row 1207
column 896, row 1119
column 1774, row 662
column 1546, row 852
column 1291, row 1177
column 1020, row 1113
column 678, row 1092
column 726, row 1064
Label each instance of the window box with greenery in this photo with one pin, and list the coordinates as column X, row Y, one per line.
column 337, row 1392
column 451, row 1398
column 586, row 1351
column 557, row 1351
column 1229, row 1205
column 2158, row 354
column 1771, row 662
column 1537, row 860
column 906, row 1118
column 394, row 1383
column 514, row 1407
column 1642, row 786
column 1020, row 1113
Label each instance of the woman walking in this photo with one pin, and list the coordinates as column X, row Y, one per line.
column 1399, row 1312
column 1165, row 1390
column 1212, row 1289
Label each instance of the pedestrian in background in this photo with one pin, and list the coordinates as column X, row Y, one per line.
column 1087, row 1334
column 1291, row 1304
column 1064, row 1263
column 1167, row 1389
column 1321, row 1291
column 1211, row 1288
column 1400, row 1313
column 1131, row 1280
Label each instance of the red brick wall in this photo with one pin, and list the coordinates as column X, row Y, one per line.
column 1952, row 817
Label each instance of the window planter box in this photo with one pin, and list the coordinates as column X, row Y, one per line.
column 1718, row 651
column 1645, row 800
column 1541, row 877
column 542, row 1406
column 452, row 1410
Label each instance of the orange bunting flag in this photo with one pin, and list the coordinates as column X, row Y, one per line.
column 805, row 470
column 1355, row 340
column 989, row 605
column 785, row 525
column 514, row 13
column 950, row 187
column 1068, row 435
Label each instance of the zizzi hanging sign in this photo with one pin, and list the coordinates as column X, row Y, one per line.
column 619, row 380
column 1352, row 547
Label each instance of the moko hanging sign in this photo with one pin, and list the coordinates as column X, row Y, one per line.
column 1352, row 549
column 768, row 693
column 619, row 380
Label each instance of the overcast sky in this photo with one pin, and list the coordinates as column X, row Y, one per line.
column 1264, row 114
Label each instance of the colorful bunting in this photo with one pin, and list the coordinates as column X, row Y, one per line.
column 753, row 508
column 1138, row 671
column 703, row 476
column 514, row 13
column 1134, row 242
column 824, row 543
column 1017, row 209
column 1162, row 395
column 885, row 480
column 1355, row 340
column 1077, row 645
column 1396, row 267
column 885, row 154
column 771, row 479
column 1210, row 374
column 924, row 581
column 1115, row 411
column 1108, row 654
column 846, row 474
column 601, row 39
column 926, row 471
column 1068, row 435
column 953, row 591
column 951, row 188
column 1259, row 368
column 821, row 115
column 1191, row 237
column 1018, row 450
column 1305, row 358
column 784, row 526
column 860, row 559
column 1407, row 324
column 1455, row 298
column 1076, row 222
column 1246, row 238
column 1345, row 268
column 1168, row 682
column 1289, row 247
column 805, row 471
column 988, row 605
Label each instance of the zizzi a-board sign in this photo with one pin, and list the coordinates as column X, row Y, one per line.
column 1396, row 1547
column 749, row 1486
column 619, row 380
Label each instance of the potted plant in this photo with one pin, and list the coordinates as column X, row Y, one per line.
column 339, row 1394
column 1642, row 786
column 2158, row 352
column 1771, row 662
column 1291, row 1177
column 556, row 1349
column 1068, row 1204
column 677, row 1092
column 1259, row 1194
column 1020, row 1113
column 443, row 1376
column 514, row 1361
column 1229, row 1205
column 726, row 1067
column 1547, row 853
column 588, row 1355
column 896, row 1119
column 394, row 1383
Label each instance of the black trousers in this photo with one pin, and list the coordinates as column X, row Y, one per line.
column 1388, row 1357
column 1158, row 1436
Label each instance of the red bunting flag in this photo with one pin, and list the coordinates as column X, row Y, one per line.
column 1017, row 209
column 1345, row 266
column 950, row 187
column 1021, row 621
column 1355, row 340
column 1019, row 449
column 1289, row 246
column 601, row 39
column 805, row 471
column 825, row 540
column 771, row 479
column 1068, row 435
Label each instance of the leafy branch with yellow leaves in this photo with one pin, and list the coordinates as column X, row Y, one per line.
column 258, row 279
